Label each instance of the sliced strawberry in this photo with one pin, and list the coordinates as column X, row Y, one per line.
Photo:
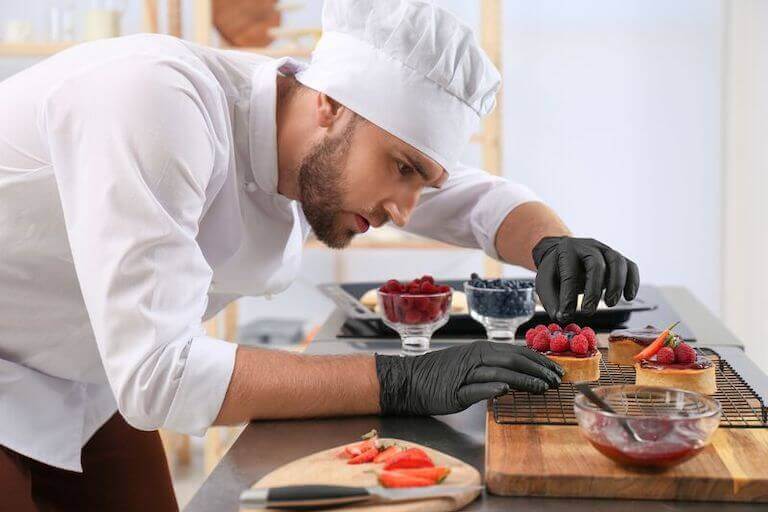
column 408, row 463
column 388, row 453
column 436, row 474
column 411, row 458
column 367, row 456
column 392, row 479
column 354, row 450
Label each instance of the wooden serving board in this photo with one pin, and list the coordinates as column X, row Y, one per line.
column 327, row 468
column 556, row 461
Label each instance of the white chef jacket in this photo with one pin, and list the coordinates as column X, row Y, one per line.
column 138, row 196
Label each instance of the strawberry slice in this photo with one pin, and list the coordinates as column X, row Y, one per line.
column 392, row 479
column 367, row 456
column 388, row 453
column 411, row 458
column 354, row 450
column 436, row 474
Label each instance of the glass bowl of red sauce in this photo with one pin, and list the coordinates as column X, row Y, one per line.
column 652, row 427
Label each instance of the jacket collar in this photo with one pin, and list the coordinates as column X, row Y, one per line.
column 262, row 124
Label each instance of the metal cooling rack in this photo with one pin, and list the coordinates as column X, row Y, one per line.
column 741, row 406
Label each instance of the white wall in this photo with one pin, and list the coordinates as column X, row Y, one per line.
column 612, row 114
column 745, row 230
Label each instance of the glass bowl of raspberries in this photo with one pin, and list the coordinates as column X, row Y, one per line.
column 652, row 426
column 415, row 310
column 500, row 305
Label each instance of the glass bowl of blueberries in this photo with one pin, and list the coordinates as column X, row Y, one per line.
column 500, row 305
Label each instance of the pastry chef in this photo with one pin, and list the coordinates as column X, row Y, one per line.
column 146, row 182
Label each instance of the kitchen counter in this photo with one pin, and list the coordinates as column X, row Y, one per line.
column 264, row 446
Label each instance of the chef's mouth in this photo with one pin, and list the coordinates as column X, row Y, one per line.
column 362, row 223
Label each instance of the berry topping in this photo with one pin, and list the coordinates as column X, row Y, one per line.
column 529, row 335
column 559, row 343
column 665, row 355
column 685, row 354
column 428, row 279
column 575, row 329
column 579, row 344
column 541, row 342
column 554, row 328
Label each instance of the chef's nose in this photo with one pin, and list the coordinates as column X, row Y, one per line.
column 400, row 211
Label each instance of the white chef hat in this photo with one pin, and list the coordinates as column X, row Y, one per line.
column 410, row 67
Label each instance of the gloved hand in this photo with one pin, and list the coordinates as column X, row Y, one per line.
column 450, row 380
column 568, row 266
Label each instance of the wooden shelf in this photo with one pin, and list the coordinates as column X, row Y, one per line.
column 33, row 49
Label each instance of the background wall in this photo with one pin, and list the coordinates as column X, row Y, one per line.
column 745, row 232
column 641, row 122
column 612, row 113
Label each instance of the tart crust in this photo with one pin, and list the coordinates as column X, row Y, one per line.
column 622, row 351
column 691, row 379
column 579, row 369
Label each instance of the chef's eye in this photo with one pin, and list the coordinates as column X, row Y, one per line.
column 405, row 169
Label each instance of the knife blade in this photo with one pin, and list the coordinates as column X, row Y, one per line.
column 299, row 497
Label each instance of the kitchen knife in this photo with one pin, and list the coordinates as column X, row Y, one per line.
column 297, row 497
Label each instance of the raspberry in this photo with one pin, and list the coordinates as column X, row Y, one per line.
column 541, row 327
column 541, row 342
column 393, row 286
column 685, row 354
column 554, row 328
column 427, row 279
column 579, row 344
column 665, row 355
column 412, row 316
column 428, row 288
column 559, row 343
column 588, row 333
column 572, row 328
column 529, row 335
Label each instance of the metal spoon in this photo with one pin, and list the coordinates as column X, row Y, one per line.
column 584, row 388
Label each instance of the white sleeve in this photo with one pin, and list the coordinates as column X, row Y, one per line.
column 132, row 152
column 468, row 209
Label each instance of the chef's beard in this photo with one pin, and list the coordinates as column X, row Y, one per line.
column 322, row 189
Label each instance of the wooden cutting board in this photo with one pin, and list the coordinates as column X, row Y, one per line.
column 327, row 468
column 543, row 460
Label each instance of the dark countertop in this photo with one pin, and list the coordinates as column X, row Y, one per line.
column 264, row 446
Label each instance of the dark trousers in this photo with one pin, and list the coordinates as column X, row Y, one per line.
column 124, row 469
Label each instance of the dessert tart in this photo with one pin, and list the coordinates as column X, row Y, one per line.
column 671, row 363
column 573, row 348
column 625, row 344
column 698, row 376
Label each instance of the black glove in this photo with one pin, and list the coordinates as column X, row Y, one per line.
column 450, row 380
column 569, row 266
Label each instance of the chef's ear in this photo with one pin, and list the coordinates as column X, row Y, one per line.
column 329, row 111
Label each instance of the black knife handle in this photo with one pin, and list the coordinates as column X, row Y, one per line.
column 305, row 497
